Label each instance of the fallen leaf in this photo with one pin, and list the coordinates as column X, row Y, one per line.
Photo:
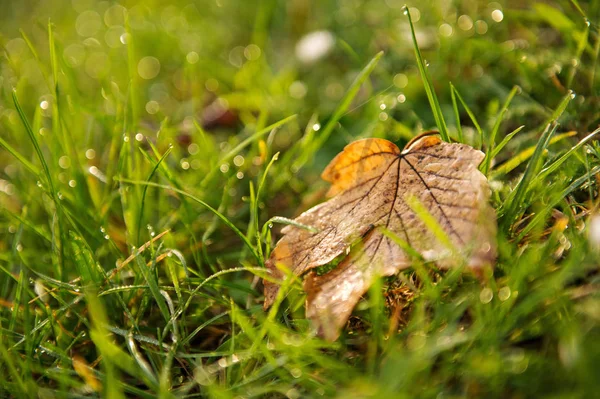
column 431, row 197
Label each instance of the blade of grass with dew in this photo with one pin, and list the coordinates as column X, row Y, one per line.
column 113, row 356
column 173, row 180
column 214, row 223
column 429, row 89
column 576, row 62
column 150, row 279
column 259, row 191
column 318, row 141
column 204, row 204
column 285, row 221
column 52, row 190
column 145, row 190
column 487, row 161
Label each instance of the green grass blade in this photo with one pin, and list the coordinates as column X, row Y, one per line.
column 145, row 190
column 430, row 222
column 243, row 145
column 492, row 138
column 204, row 204
column 150, row 278
column 459, row 131
column 36, row 146
column 341, row 109
column 259, row 190
column 505, row 141
column 558, row 162
column 515, row 203
column 429, row 89
column 31, row 167
column 540, row 217
column 524, row 155
column 455, row 92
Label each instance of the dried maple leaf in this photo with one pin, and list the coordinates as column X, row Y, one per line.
column 375, row 187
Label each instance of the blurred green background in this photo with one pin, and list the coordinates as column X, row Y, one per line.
column 186, row 94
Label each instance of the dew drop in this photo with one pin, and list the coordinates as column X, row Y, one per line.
column 238, row 160
column 316, row 127
column 400, row 80
column 486, row 295
column 504, row 293
column 192, row 57
column 481, row 27
column 64, row 162
column 446, row 31
column 415, row 14
column 497, row 15
column 193, row 149
column 296, row 372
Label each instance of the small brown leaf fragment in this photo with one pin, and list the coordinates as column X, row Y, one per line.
column 372, row 185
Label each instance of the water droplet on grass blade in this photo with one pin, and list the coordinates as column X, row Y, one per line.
column 486, row 295
column 504, row 293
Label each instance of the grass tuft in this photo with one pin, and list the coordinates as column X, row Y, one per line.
column 148, row 161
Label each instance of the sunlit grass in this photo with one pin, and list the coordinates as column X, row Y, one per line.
column 150, row 152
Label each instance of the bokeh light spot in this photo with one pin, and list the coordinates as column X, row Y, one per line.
column 148, row 67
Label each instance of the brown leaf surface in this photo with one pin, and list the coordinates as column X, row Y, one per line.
column 372, row 185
